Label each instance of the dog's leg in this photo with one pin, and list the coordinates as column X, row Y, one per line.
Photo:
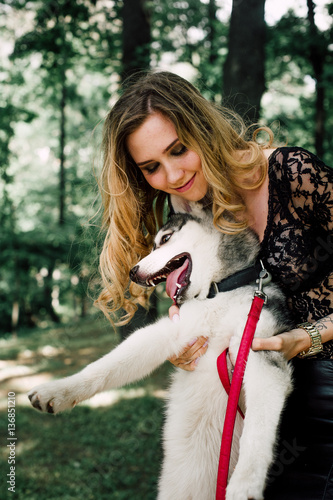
column 133, row 359
column 136, row 357
column 267, row 383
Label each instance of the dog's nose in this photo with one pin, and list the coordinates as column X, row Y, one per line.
column 133, row 272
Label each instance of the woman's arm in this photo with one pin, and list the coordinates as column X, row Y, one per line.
column 297, row 340
column 289, row 343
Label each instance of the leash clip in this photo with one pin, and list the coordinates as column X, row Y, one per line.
column 264, row 278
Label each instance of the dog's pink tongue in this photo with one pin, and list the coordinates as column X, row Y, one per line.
column 174, row 278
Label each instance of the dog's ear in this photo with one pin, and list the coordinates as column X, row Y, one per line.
column 182, row 206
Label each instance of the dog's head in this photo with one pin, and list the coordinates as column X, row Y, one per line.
column 190, row 253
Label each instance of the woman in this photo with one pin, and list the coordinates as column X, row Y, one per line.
column 162, row 137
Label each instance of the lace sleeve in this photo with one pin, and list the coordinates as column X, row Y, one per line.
column 311, row 183
column 298, row 241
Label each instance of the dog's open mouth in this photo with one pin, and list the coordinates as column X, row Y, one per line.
column 177, row 274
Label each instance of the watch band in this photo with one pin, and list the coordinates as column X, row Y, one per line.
column 315, row 337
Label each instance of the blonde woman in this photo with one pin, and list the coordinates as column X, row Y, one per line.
column 163, row 137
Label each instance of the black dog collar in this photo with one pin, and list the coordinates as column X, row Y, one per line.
column 241, row 278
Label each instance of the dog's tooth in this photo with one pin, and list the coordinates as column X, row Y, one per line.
column 178, row 285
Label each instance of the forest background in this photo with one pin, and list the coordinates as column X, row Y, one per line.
column 62, row 63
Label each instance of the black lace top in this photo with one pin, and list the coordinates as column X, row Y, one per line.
column 298, row 242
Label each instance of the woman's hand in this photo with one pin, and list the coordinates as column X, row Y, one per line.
column 189, row 358
column 289, row 343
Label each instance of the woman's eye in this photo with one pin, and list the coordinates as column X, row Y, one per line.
column 165, row 238
column 179, row 150
column 151, row 169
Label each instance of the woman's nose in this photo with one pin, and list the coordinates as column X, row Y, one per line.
column 174, row 175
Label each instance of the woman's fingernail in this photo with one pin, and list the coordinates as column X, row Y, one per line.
column 205, row 344
column 192, row 341
column 197, row 361
column 175, row 318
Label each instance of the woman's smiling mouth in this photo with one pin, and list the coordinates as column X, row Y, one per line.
column 186, row 186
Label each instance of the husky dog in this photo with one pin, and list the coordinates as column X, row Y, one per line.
column 190, row 254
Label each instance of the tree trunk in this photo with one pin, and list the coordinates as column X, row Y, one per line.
column 244, row 69
column 48, row 287
column 317, row 59
column 212, row 31
column 136, row 37
column 62, row 174
column 15, row 318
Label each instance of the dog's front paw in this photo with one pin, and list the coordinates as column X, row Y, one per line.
column 249, row 486
column 53, row 397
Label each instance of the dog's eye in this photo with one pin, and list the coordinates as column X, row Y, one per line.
column 165, row 238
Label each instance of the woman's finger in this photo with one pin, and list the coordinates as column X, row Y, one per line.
column 192, row 352
column 174, row 313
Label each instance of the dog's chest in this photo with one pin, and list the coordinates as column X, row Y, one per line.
column 195, row 389
column 226, row 315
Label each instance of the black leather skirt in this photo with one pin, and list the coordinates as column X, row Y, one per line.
column 303, row 469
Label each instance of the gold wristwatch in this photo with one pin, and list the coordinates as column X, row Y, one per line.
column 316, row 344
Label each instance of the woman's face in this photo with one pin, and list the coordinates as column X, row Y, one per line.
column 166, row 164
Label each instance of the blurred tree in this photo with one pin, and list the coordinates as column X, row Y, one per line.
column 190, row 32
column 9, row 297
column 136, row 38
column 61, row 27
column 318, row 54
column 212, row 32
column 299, row 70
column 244, row 68
column 55, row 68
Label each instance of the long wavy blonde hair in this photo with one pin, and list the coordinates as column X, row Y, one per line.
column 133, row 210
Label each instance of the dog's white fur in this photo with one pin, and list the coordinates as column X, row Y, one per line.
column 197, row 401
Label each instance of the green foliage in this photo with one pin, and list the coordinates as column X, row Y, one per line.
column 49, row 61
column 291, row 76
column 190, row 32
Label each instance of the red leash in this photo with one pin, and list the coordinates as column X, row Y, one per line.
column 222, row 368
column 235, row 387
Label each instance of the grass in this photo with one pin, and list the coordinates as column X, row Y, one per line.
column 108, row 448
